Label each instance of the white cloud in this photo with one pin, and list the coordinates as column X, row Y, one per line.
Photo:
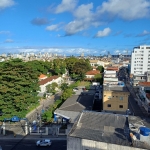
column 84, row 11
column 75, row 26
column 66, row 5
column 8, row 41
column 103, row 52
column 103, row 33
column 117, row 51
column 84, row 18
column 53, row 27
column 144, row 33
column 6, row 3
column 52, row 50
column 125, row 9
column 4, row 32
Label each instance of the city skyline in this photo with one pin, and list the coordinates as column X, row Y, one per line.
column 72, row 27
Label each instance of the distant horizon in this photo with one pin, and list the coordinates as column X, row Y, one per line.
column 61, row 54
column 66, row 51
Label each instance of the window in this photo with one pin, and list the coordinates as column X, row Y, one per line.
column 109, row 105
column 121, row 98
column 120, row 106
column 109, row 97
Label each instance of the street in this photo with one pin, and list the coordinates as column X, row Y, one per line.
column 30, row 144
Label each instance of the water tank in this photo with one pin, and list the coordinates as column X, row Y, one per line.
column 145, row 131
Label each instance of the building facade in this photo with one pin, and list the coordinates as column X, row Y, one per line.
column 115, row 98
column 140, row 60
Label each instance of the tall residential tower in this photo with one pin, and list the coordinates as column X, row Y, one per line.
column 140, row 60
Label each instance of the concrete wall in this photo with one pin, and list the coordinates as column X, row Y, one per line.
column 84, row 144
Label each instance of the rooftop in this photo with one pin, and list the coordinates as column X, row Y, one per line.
column 93, row 72
column 103, row 127
column 113, row 68
column 44, row 81
column 78, row 103
column 144, row 83
column 115, row 88
column 42, row 76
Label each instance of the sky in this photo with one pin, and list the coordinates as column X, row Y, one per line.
column 72, row 27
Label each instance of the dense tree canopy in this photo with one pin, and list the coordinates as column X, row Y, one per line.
column 77, row 67
column 18, row 88
column 59, row 66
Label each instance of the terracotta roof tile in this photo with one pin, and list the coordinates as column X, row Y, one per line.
column 112, row 68
column 48, row 80
column 42, row 76
column 144, row 83
column 93, row 72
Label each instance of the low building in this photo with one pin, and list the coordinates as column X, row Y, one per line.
column 112, row 80
column 101, row 131
column 135, row 79
column 144, row 94
column 113, row 68
column 97, row 63
column 42, row 77
column 72, row 108
column 115, row 97
column 109, row 73
column 90, row 75
column 43, row 83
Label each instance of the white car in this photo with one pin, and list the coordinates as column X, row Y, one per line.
column 44, row 142
column 75, row 89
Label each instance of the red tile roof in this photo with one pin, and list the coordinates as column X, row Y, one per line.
column 48, row 80
column 112, row 68
column 42, row 76
column 93, row 72
column 144, row 83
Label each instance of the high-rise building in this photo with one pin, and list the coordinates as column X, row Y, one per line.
column 140, row 60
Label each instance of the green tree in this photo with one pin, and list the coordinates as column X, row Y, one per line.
column 18, row 88
column 100, row 68
column 51, row 88
column 66, row 94
column 64, row 86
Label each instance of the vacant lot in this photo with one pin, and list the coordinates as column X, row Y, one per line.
column 84, row 83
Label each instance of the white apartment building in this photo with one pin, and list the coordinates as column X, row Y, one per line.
column 140, row 60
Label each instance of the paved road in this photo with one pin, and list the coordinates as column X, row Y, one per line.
column 27, row 144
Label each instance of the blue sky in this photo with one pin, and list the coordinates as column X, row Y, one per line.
column 72, row 27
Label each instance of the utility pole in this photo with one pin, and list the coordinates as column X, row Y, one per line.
column 40, row 125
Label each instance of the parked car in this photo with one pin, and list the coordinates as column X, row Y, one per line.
column 75, row 89
column 44, row 142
